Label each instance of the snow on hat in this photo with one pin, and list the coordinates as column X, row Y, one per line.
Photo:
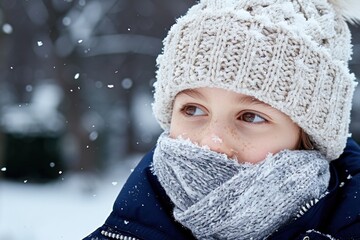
column 290, row 54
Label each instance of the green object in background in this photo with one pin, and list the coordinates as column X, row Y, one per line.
column 32, row 158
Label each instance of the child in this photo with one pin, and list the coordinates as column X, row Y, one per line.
column 254, row 97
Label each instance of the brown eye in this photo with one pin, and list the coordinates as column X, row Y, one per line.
column 251, row 118
column 193, row 111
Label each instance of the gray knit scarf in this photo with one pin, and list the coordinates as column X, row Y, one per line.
column 219, row 198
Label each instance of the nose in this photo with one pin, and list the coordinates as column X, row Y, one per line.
column 217, row 141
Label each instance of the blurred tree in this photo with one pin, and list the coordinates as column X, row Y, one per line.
column 102, row 54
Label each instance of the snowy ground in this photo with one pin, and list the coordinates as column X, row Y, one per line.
column 67, row 209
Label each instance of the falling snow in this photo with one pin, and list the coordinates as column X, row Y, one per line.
column 66, row 21
column 93, row 135
column 7, row 28
column 126, row 83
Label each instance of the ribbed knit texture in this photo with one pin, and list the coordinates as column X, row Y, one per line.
column 218, row 198
column 292, row 55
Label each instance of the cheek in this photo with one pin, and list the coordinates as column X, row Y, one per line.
column 288, row 139
column 251, row 152
column 256, row 151
column 175, row 128
column 178, row 128
column 247, row 147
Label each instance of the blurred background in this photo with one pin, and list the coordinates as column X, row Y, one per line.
column 75, row 106
column 76, row 82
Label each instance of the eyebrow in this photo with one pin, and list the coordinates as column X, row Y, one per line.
column 250, row 100
column 193, row 93
column 241, row 99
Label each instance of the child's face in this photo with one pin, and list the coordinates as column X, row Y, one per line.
column 237, row 125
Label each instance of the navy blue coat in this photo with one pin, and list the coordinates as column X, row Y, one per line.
column 143, row 211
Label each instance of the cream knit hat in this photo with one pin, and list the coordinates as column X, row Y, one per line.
column 290, row 54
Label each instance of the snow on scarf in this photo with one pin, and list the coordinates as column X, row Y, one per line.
column 219, row 198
